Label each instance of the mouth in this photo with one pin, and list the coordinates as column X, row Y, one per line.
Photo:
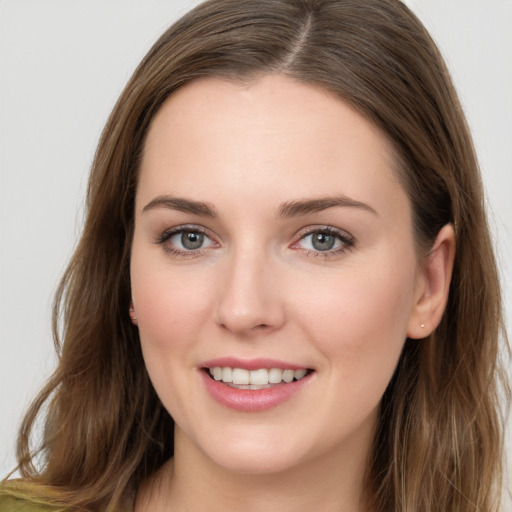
column 254, row 385
column 262, row 378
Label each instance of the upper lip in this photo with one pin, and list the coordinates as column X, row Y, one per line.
column 251, row 364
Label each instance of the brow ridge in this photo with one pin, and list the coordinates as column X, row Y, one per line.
column 183, row 205
column 287, row 209
column 307, row 206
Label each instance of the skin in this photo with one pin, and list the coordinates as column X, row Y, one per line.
column 259, row 288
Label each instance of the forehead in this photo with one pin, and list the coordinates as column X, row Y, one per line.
column 271, row 136
column 270, row 105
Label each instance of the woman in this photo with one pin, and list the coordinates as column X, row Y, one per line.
column 285, row 262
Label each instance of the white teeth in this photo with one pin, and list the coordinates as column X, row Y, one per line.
column 255, row 378
column 240, row 376
column 298, row 374
column 275, row 375
column 227, row 375
column 288, row 375
column 259, row 377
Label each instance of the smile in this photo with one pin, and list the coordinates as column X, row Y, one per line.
column 254, row 385
column 262, row 378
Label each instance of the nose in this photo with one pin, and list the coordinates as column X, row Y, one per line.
column 250, row 297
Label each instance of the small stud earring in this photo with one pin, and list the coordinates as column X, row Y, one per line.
column 422, row 326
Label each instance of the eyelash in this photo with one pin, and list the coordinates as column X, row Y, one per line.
column 166, row 235
column 347, row 241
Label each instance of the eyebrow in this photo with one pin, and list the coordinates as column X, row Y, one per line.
column 286, row 210
column 305, row 207
column 182, row 205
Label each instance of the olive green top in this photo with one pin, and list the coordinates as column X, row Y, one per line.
column 26, row 496
column 18, row 504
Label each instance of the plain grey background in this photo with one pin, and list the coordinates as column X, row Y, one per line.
column 62, row 65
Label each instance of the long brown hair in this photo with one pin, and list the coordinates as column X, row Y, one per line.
column 438, row 446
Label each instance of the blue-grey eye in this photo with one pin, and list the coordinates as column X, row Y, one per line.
column 327, row 240
column 192, row 240
column 323, row 241
column 187, row 240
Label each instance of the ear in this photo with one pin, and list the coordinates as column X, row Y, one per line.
column 133, row 315
column 433, row 285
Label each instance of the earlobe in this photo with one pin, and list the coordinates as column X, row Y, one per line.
column 435, row 285
column 133, row 315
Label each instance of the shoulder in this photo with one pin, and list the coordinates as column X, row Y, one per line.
column 23, row 496
column 18, row 504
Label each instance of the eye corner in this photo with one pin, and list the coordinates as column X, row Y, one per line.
column 194, row 246
column 335, row 241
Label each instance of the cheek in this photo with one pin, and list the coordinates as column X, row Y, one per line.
column 359, row 320
column 170, row 307
column 170, row 312
column 166, row 311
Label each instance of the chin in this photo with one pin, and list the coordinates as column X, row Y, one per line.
column 255, row 463
column 256, row 454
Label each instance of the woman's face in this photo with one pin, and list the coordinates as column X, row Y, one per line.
column 272, row 241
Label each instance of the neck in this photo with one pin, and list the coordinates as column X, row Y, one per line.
column 191, row 481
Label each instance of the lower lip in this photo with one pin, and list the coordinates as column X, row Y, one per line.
column 252, row 400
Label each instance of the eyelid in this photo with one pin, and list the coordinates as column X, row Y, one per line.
column 166, row 235
column 347, row 240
